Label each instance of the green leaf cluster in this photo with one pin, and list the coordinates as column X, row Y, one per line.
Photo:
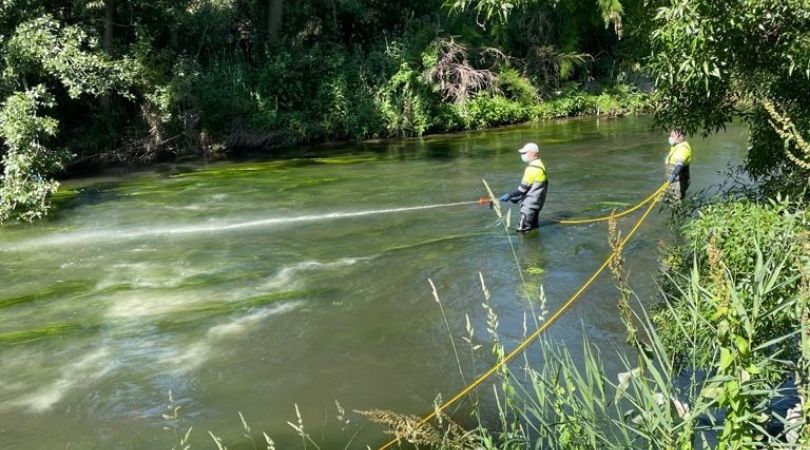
column 714, row 62
column 25, row 189
column 728, row 242
column 139, row 81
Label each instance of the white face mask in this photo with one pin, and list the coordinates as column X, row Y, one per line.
column 525, row 157
column 671, row 140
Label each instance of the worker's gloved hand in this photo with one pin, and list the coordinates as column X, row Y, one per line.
column 506, row 197
column 671, row 178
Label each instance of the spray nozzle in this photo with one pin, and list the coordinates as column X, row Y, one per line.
column 485, row 201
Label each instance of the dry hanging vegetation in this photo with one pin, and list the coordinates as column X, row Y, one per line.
column 455, row 77
column 414, row 430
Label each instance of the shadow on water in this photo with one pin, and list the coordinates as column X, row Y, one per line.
column 66, row 200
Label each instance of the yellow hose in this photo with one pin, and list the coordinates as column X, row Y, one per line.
column 615, row 216
column 652, row 199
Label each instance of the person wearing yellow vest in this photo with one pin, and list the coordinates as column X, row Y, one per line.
column 531, row 193
column 677, row 165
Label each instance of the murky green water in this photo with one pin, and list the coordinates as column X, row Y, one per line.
column 222, row 284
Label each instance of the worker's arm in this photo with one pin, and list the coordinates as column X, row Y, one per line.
column 675, row 171
column 529, row 175
column 516, row 195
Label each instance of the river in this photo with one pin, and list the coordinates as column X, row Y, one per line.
column 258, row 285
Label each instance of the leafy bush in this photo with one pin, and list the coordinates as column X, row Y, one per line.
column 64, row 58
column 515, row 86
column 729, row 240
column 493, row 110
column 406, row 103
column 711, row 64
column 615, row 101
column 25, row 188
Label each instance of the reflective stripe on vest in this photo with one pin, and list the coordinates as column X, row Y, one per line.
column 681, row 152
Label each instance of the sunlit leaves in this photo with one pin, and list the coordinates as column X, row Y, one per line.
column 66, row 53
column 47, row 50
column 487, row 11
column 19, row 122
column 714, row 61
column 25, row 187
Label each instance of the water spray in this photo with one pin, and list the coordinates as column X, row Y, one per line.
column 78, row 238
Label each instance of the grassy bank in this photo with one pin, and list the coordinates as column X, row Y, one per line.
column 723, row 361
column 720, row 359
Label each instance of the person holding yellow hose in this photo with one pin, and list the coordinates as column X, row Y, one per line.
column 677, row 165
column 531, row 193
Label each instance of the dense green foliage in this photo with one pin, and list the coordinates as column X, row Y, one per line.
column 44, row 51
column 24, row 192
column 139, row 81
column 714, row 62
column 737, row 291
column 737, row 295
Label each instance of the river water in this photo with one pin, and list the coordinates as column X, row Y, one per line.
column 259, row 285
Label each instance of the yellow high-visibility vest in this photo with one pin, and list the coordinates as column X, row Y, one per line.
column 681, row 152
column 535, row 173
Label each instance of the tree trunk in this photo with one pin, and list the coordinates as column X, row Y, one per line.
column 274, row 19
column 109, row 23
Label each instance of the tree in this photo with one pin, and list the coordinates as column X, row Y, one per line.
column 25, row 189
column 65, row 57
column 611, row 11
column 716, row 61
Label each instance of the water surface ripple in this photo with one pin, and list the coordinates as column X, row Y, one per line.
column 254, row 286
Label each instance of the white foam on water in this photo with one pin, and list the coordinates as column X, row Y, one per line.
column 240, row 325
column 126, row 309
column 187, row 358
column 147, row 275
column 191, row 207
column 99, row 236
column 150, row 302
column 94, row 365
column 284, row 277
column 44, row 399
column 88, row 368
column 192, row 356
column 144, row 304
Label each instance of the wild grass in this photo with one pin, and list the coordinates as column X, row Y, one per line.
column 717, row 392
column 716, row 389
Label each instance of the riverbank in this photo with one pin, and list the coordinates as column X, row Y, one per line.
column 720, row 357
column 481, row 113
column 488, row 110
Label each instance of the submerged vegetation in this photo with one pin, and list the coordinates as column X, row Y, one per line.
column 722, row 360
column 721, row 363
